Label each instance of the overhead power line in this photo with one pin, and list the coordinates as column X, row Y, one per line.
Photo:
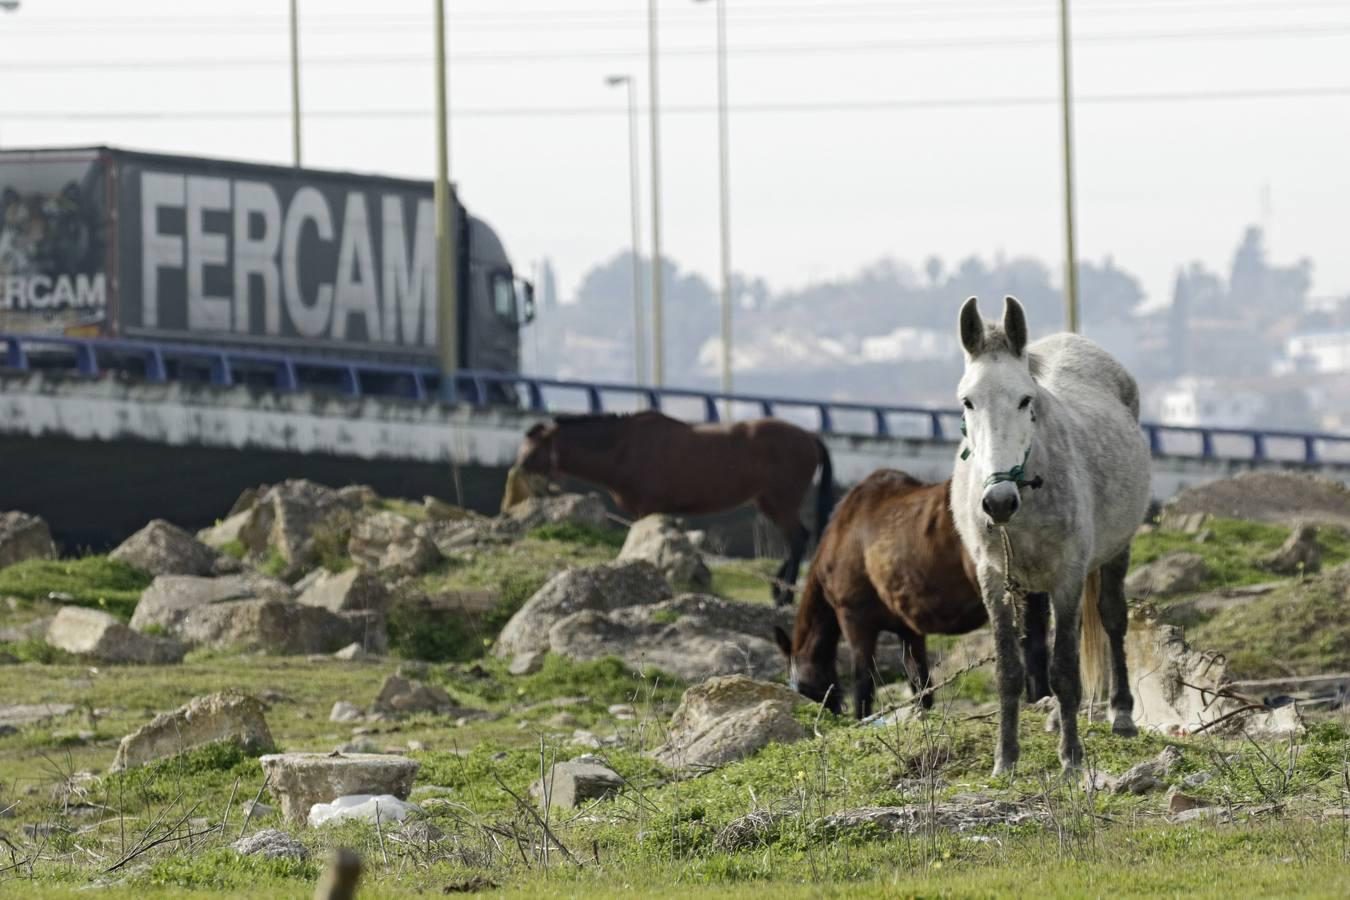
column 833, row 14
column 768, row 107
column 626, row 16
column 535, row 56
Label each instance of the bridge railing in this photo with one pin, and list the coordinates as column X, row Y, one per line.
column 161, row 362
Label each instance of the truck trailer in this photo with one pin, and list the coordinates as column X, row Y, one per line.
column 102, row 241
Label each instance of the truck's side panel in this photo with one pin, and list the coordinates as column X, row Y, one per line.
column 236, row 253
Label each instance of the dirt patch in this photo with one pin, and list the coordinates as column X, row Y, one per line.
column 1278, row 497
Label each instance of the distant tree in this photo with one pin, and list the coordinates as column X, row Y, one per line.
column 1247, row 281
column 547, row 288
column 934, row 269
column 1107, row 293
column 1256, row 287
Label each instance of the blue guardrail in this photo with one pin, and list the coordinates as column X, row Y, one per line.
column 160, row 362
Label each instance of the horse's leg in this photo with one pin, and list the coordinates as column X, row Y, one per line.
column 1065, row 678
column 916, row 665
column 776, row 589
column 789, row 523
column 1115, row 617
column 862, row 641
column 796, row 550
column 1008, row 668
column 1035, row 654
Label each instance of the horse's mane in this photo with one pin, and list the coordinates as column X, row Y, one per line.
column 598, row 429
column 566, row 419
column 586, row 418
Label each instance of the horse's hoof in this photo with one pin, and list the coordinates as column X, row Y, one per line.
column 1123, row 726
column 1071, row 759
column 1002, row 768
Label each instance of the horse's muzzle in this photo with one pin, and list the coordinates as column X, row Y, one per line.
column 1001, row 502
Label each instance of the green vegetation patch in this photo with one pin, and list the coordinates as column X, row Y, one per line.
column 1235, row 549
column 93, row 581
column 602, row 682
column 1299, row 629
column 744, row 579
column 224, row 870
column 585, row 535
column 514, row 572
column 36, row 650
column 408, row 509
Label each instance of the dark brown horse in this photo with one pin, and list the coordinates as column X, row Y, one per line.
column 651, row 463
column 892, row 561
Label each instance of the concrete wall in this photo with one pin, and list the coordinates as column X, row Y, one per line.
column 98, row 458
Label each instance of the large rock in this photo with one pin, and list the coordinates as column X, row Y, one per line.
column 300, row 780
column 300, row 520
column 438, row 510
column 727, row 718
column 270, row 843
column 388, row 542
column 977, row 812
column 24, row 536
column 661, row 542
column 570, row 784
column 279, row 626
column 349, row 590
column 1178, row 690
column 1266, row 496
column 23, row 714
column 606, row 587
column 1139, row 778
column 574, row 509
column 1173, row 573
column 693, row 636
column 224, row 532
column 226, row 716
column 95, row 635
column 1300, row 554
column 162, row 548
column 169, row 598
column 403, row 696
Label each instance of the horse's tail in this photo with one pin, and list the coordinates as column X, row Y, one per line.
column 1093, row 649
column 825, row 492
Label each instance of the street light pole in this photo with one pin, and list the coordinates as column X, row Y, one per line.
column 295, row 83
column 1066, row 101
column 9, row 5
column 724, row 198
column 447, row 309
column 658, row 317
column 634, row 188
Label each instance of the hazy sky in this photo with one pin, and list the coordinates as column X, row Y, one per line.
column 539, row 143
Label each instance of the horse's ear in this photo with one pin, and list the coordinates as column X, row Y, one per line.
column 1015, row 325
column 972, row 327
column 784, row 642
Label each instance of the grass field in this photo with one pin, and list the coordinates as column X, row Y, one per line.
column 1281, row 826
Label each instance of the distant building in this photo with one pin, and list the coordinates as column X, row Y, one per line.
column 1207, row 402
column 910, row 344
column 1324, row 353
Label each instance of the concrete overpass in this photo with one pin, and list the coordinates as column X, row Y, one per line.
column 98, row 457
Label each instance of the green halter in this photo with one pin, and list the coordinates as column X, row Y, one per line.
column 1017, row 474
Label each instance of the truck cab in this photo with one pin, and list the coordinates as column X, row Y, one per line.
column 495, row 303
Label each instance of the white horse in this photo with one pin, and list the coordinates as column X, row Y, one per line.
column 1050, row 484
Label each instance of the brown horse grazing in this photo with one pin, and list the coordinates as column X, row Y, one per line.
column 892, row 561
column 651, row 463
